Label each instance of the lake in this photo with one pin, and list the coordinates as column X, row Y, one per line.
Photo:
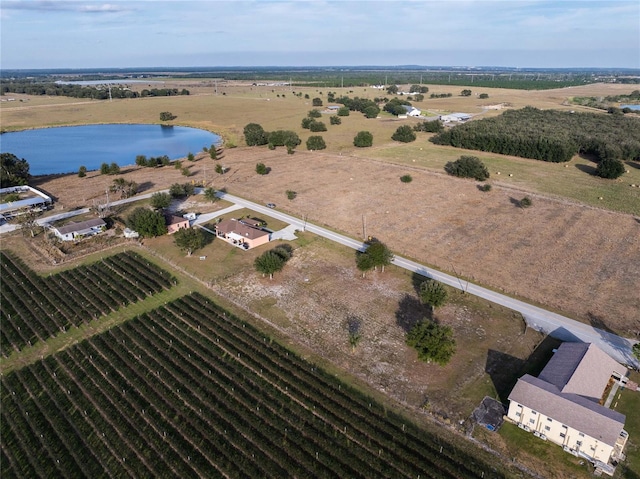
column 631, row 107
column 65, row 149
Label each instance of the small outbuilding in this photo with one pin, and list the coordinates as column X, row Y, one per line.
column 175, row 223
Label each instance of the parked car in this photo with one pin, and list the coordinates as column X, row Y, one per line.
column 271, row 205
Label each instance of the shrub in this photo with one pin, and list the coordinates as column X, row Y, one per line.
column 343, row 111
column 167, row 116
column 406, row 178
column 316, row 102
column 191, row 157
column 335, row 120
column 483, row 96
column 316, row 143
column 82, row 171
column 314, row 114
column 485, row 187
column 261, row 169
column 610, row 169
column 363, row 139
column 104, row 169
column 525, row 202
column 432, row 341
column 317, row 126
column 467, row 167
column 404, row 134
column 291, row 195
column 306, row 122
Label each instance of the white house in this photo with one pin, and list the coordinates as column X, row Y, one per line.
column 73, row 231
column 563, row 404
column 411, row 111
column 455, row 117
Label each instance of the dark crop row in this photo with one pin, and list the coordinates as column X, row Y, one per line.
column 35, row 308
column 187, row 390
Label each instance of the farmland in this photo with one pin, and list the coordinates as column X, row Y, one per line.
column 189, row 390
column 35, row 309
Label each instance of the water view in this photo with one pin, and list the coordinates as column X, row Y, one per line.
column 631, row 107
column 65, row 149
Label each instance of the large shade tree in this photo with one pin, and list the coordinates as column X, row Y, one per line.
column 254, row 135
column 433, row 342
column 147, row 223
column 13, row 170
column 189, row 239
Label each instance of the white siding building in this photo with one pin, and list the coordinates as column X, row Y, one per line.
column 562, row 404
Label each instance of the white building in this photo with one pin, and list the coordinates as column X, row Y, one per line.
column 455, row 117
column 411, row 111
column 73, row 231
column 563, row 404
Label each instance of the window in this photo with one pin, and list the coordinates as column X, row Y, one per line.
column 578, row 443
column 532, row 421
column 581, row 434
column 534, row 413
column 547, row 428
column 518, row 414
column 549, row 419
column 562, row 434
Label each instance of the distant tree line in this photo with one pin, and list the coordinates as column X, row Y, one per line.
column 365, row 106
column 98, row 92
column 549, row 135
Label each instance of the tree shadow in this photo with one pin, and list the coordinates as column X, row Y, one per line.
column 147, row 185
column 515, row 202
column 411, row 311
column 416, row 281
column 598, row 322
column 586, row 169
column 633, row 164
column 354, row 325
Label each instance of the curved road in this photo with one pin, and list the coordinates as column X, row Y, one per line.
column 547, row 322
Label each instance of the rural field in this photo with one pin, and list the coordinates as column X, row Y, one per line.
column 570, row 252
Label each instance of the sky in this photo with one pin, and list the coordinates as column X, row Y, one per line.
column 183, row 33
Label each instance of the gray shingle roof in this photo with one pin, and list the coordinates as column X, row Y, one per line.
column 572, row 410
column 83, row 225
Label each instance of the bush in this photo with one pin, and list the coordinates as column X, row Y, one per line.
column 104, row 169
column 291, row 195
column 525, row 202
column 363, row 139
column 372, row 111
column 485, row 187
column 316, row 102
column 316, row 143
column 406, row 179
column 82, row 171
column 317, row 126
column 191, row 157
column 314, row 114
column 160, row 201
column 261, row 169
column 483, row 96
column 335, row 120
column 167, row 116
column 404, row 134
column 343, row 111
column 610, row 169
column 306, row 122
column 467, row 167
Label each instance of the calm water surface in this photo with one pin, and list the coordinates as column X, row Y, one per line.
column 65, row 149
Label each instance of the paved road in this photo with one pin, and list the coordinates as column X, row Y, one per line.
column 537, row 318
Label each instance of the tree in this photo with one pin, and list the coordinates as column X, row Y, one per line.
column 430, row 126
column 317, row 126
column 160, row 201
column 219, row 169
column 27, row 221
column 167, row 116
column 284, row 138
column 213, row 152
column 636, row 350
column 418, row 97
column 261, row 169
column 609, row 168
column 433, row 293
column 404, row 134
column 364, row 262
column 465, row 93
column 316, row 102
column 335, row 120
column 254, row 135
column 178, row 190
column 126, row 188
column 467, row 167
column 210, row 195
column 147, row 223
column 314, row 114
column 371, row 111
column 291, row 195
column 379, row 253
column 104, row 169
column 191, row 157
column 114, row 168
column 343, row 111
column 316, row 143
column 432, row 341
column 483, row 96
column 189, row 239
column 392, row 89
column 363, row 139
column 13, row 170
column 271, row 262
column 306, row 122
column 406, row 178
column 82, row 171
